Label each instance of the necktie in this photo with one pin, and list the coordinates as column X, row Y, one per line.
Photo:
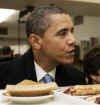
column 47, row 78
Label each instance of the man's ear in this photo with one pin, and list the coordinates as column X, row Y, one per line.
column 35, row 41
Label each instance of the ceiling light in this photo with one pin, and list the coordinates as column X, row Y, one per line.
column 5, row 13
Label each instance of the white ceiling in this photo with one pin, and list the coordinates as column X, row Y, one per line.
column 84, row 7
column 75, row 7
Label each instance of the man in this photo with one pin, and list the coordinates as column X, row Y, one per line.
column 50, row 33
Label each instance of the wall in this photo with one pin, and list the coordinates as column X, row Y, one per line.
column 12, row 39
column 84, row 32
column 89, row 28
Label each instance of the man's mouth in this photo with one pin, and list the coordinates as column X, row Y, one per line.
column 71, row 51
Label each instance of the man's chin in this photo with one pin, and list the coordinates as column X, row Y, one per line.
column 71, row 61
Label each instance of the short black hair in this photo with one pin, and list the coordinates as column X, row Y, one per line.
column 39, row 21
column 6, row 50
column 91, row 62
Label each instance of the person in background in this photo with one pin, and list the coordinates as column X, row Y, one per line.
column 78, row 64
column 17, row 55
column 7, row 54
column 91, row 65
column 50, row 33
column 1, row 54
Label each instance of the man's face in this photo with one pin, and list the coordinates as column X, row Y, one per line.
column 58, row 41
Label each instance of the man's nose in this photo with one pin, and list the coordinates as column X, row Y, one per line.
column 71, row 38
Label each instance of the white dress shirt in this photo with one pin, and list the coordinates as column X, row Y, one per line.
column 40, row 73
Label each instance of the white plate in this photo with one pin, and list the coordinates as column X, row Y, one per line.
column 35, row 99
column 72, row 100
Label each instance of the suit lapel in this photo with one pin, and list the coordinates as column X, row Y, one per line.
column 62, row 77
column 30, row 67
column 58, row 76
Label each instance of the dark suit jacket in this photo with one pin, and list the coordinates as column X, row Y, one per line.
column 22, row 68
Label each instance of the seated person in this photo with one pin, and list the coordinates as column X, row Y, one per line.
column 50, row 34
column 78, row 64
column 91, row 66
column 7, row 54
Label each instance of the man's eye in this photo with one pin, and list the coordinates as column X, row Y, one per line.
column 62, row 32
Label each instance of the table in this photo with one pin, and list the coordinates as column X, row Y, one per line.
column 59, row 99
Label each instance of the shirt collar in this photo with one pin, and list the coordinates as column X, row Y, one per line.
column 41, row 73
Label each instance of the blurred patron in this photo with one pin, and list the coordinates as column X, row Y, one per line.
column 78, row 63
column 6, row 54
column 91, row 65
